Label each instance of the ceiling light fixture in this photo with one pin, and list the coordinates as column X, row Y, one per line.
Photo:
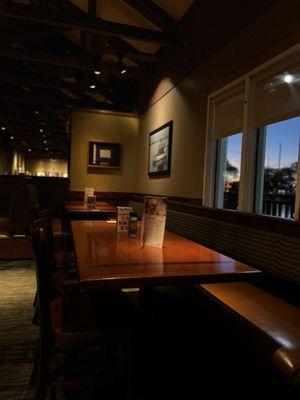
column 92, row 86
column 121, row 66
column 288, row 78
column 45, row 141
column 3, row 128
column 29, row 150
column 12, row 138
column 41, row 130
column 97, row 72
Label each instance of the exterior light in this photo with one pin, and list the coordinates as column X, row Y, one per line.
column 288, row 78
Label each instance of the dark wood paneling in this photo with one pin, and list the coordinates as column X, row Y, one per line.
column 114, row 198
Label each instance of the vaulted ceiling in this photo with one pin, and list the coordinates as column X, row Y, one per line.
column 56, row 55
column 59, row 54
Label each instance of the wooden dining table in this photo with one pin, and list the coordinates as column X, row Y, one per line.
column 107, row 260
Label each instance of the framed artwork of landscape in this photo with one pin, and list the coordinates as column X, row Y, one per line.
column 104, row 155
column 160, row 151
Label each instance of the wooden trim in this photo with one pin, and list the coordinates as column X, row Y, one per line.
column 261, row 222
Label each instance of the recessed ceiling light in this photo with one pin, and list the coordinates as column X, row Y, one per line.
column 45, row 141
column 47, row 148
column 288, row 78
column 41, row 130
column 29, row 150
column 123, row 71
column 11, row 137
column 36, row 112
column 92, row 86
column 3, row 128
column 97, row 72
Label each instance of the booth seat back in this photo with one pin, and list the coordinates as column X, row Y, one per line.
column 273, row 253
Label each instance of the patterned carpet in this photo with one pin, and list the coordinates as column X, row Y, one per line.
column 17, row 334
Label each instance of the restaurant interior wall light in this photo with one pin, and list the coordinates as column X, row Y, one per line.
column 288, row 78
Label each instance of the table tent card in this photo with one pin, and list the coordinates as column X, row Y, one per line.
column 88, row 192
column 123, row 218
column 91, row 202
column 154, row 221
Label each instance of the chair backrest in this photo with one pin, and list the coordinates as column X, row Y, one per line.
column 33, row 200
column 44, row 269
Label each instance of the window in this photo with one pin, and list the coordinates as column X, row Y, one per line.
column 277, row 162
column 253, row 135
column 228, row 172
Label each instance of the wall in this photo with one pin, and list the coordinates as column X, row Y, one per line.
column 272, row 32
column 46, row 165
column 107, row 127
column 186, row 106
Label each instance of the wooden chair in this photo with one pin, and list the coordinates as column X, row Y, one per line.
column 74, row 322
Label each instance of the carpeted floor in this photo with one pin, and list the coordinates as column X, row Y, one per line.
column 17, row 334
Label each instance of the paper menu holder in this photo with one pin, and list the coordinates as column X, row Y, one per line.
column 123, row 218
column 154, row 221
column 87, row 192
column 91, row 202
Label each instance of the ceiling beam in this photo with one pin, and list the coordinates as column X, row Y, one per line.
column 86, row 23
column 134, row 55
column 92, row 8
column 78, row 89
column 66, row 61
column 65, row 102
column 155, row 14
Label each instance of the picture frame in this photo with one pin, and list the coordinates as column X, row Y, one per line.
column 160, row 151
column 104, row 155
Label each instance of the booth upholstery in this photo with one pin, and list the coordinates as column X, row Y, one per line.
column 274, row 253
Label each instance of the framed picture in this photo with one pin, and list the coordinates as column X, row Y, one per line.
column 160, row 150
column 104, row 155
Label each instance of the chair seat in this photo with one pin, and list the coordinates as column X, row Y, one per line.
column 80, row 318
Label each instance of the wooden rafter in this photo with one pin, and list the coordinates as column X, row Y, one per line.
column 65, row 61
column 86, row 23
column 155, row 14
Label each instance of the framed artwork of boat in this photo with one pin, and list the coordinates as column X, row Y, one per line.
column 160, row 150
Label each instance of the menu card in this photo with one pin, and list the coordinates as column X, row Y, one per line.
column 154, row 221
column 123, row 218
column 88, row 192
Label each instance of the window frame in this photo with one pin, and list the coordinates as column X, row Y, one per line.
column 248, row 175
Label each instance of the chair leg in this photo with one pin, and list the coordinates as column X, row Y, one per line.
column 34, row 372
column 35, row 317
column 43, row 373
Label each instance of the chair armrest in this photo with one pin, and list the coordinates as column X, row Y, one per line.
column 287, row 362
